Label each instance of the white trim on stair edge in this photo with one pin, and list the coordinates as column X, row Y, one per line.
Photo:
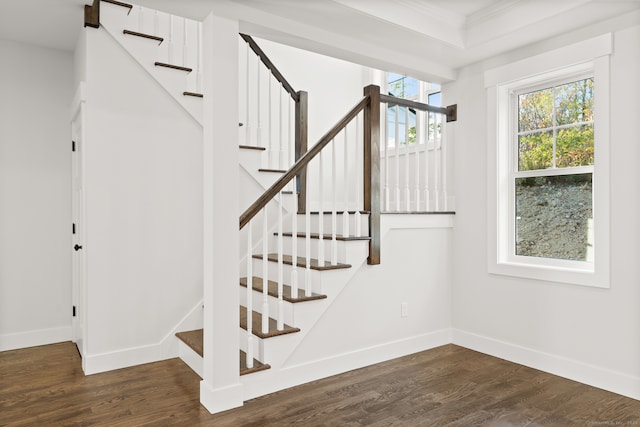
column 167, row 348
column 256, row 385
column 149, row 69
column 606, row 379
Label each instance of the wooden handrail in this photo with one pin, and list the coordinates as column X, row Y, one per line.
column 267, row 62
column 301, row 164
column 450, row 111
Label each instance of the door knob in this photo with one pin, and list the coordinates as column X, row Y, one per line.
column 77, row 247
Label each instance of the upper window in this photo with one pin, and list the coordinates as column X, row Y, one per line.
column 548, row 145
column 404, row 121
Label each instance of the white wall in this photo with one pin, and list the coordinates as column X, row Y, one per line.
column 143, row 207
column 35, row 195
column 591, row 335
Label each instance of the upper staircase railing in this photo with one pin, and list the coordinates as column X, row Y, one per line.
column 270, row 120
column 414, row 156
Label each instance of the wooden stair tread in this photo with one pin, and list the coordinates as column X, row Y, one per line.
column 143, row 35
column 302, row 262
column 257, row 322
column 174, row 67
column 119, row 3
column 338, row 212
column 252, row 147
column 194, row 94
column 272, row 170
column 195, row 340
column 286, row 290
column 326, row 236
column 257, row 365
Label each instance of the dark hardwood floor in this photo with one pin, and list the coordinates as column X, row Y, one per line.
column 446, row 386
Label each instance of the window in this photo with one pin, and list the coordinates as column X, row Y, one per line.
column 548, row 175
column 552, row 173
column 404, row 120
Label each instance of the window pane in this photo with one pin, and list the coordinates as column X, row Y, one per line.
column 402, row 86
column 435, row 99
column 535, row 110
column 574, row 146
column 554, row 217
column 535, row 151
column 574, row 102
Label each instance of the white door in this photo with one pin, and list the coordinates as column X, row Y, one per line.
column 77, row 232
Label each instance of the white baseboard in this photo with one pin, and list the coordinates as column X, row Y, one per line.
column 269, row 381
column 167, row 348
column 606, row 379
column 35, row 338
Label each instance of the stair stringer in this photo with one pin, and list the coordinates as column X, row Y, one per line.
column 288, row 371
column 305, row 315
column 114, row 21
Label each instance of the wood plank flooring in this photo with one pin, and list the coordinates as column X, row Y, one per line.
column 446, row 386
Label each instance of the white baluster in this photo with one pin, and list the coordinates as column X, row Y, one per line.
column 199, row 70
column 171, row 47
column 247, row 125
column 291, row 145
column 258, row 106
column 345, row 159
column 386, row 194
column 294, row 253
column 282, row 158
column 334, row 214
column 427, row 168
column 418, row 150
column 280, row 321
column 141, row 20
column 265, row 272
column 406, row 161
column 249, row 295
column 443, row 144
column 397, row 154
column 184, row 42
column 357, row 215
column 436, row 166
column 156, row 23
column 320, row 213
column 307, row 271
column 270, row 109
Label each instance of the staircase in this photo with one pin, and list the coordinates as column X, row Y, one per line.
column 316, row 221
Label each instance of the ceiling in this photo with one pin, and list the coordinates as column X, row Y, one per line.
column 428, row 39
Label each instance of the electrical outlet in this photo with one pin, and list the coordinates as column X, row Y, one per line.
column 404, row 309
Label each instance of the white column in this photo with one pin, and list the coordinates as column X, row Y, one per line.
column 220, row 388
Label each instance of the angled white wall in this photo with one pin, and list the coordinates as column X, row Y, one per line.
column 583, row 333
column 143, row 246
column 35, row 195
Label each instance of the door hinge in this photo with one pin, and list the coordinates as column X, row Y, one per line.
column 73, row 146
column 73, row 228
column 74, row 311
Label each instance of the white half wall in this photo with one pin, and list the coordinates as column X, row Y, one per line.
column 36, row 87
column 143, row 247
column 583, row 333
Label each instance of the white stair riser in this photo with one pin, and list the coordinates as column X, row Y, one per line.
column 328, row 221
column 289, row 317
column 190, row 357
column 269, row 350
column 345, row 249
column 114, row 20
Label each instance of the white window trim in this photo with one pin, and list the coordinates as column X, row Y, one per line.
column 588, row 56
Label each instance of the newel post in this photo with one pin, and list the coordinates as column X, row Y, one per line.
column 302, row 125
column 372, row 170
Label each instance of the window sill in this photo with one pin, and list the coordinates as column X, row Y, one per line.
column 565, row 275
